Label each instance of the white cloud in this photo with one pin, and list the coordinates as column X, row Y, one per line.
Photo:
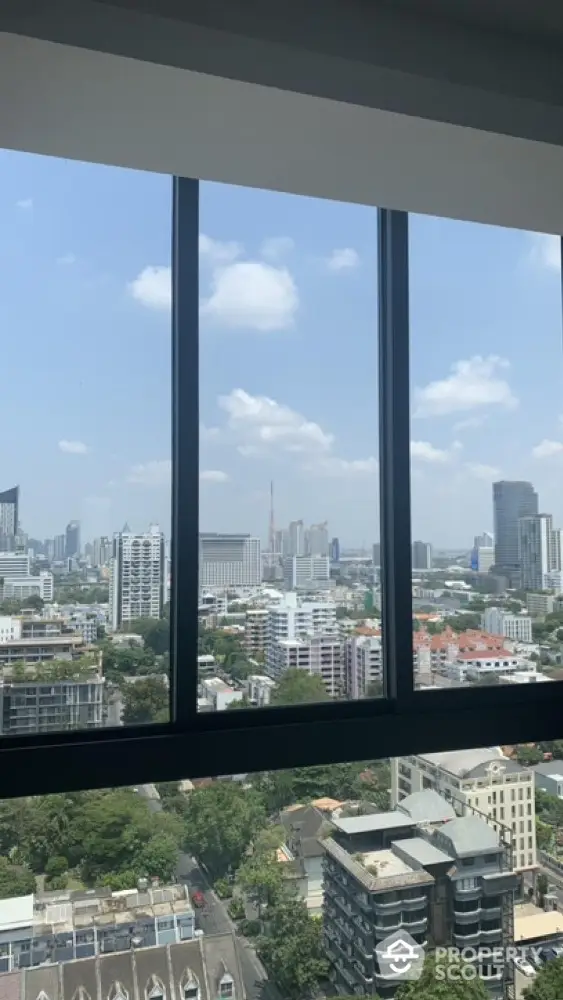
column 153, row 287
column 342, row 468
column 154, row 473
column 426, row 452
column 26, row 204
column 472, row 383
column 217, row 252
column 545, row 251
column 73, row 447
column 213, row 476
column 546, row 448
column 469, row 424
column 262, row 424
column 480, row 471
column 67, row 258
column 276, row 247
column 209, row 434
column 252, row 294
column 343, row 260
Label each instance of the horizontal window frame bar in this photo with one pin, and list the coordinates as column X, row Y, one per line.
column 302, row 736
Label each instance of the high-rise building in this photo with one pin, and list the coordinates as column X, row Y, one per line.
column 14, row 564
column 137, row 576
column 376, row 554
column 335, row 550
column 497, row 621
column 483, row 541
column 511, row 501
column 102, row 550
column 296, row 539
column 317, row 540
column 421, row 555
column 72, row 540
column 9, row 517
column 229, row 560
column 59, row 543
column 306, row 572
column 482, row 558
column 535, row 550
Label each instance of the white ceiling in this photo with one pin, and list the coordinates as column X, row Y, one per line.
column 85, row 105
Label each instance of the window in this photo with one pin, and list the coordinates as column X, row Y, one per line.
column 226, row 989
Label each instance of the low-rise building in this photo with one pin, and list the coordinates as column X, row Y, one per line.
column 219, row 694
column 497, row 621
column 472, row 666
column 549, row 777
column 448, row 881
column 256, row 631
column 39, row 650
column 305, row 827
column 36, row 701
column 66, row 925
column 259, row 689
column 540, row 604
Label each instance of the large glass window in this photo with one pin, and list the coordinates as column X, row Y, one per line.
column 85, row 406
column 289, row 590
column 485, row 312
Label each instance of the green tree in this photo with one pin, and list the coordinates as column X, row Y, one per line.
column 145, row 700
column 159, row 857
column 297, row 686
column 155, row 632
column 292, row 951
column 243, row 702
column 542, row 886
column 434, row 984
column 374, row 689
column 528, row 756
column 220, row 822
column 544, row 835
column 548, row 984
column 34, row 601
column 15, row 880
column 127, row 661
column 261, row 879
column 239, row 670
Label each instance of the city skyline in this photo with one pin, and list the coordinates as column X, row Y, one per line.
column 288, row 293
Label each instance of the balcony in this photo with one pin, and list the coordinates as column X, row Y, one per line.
column 467, row 940
column 415, row 925
column 468, row 916
column 383, row 909
column 413, row 902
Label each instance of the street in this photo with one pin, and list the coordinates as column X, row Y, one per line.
column 213, row 918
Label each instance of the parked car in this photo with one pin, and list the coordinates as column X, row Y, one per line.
column 198, row 899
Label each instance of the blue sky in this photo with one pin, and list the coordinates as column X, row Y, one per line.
column 288, row 358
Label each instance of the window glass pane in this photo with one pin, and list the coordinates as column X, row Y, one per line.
column 310, row 870
column 85, row 405
column 486, row 454
column 289, row 590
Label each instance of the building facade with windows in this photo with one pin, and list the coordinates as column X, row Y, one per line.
column 9, row 517
column 482, row 780
column 499, row 622
column 447, row 881
column 421, row 555
column 32, row 704
column 229, row 560
column 535, row 547
column 319, row 654
column 362, row 664
column 512, row 500
column 306, row 572
column 137, row 576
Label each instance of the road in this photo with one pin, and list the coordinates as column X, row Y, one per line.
column 213, row 918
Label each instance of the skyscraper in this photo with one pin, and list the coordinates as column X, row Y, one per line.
column 317, row 540
column 72, row 540
column 535, row 550
column 229, row 560
column 421, row 555
column 296, row 541
column 511, row 501
column 137, row 576
column 9, row 518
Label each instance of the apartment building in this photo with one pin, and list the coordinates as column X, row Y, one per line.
column 497, row 621
column 319, row 654
column 540, row 604
column 40, row 650
column 484, row 780
column 229, row 560
column 218, row 694
column 256, row 631
column 34, row 704
column 535, row 550
column 361, row 662
column 294, row 618
column 306, row 572
column 137, row 576
column 446, row 880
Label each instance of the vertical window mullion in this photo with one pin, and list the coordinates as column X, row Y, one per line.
column 394, row 454
column 185, row 452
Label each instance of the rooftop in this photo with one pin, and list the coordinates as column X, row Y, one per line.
column 427, row 807
column 57, row 912
column 422, row 852
column 552, row 768
column 462, row 762
column 393, row 820
column 531, row 923
column 391, row 871
column 383, row 864
column 469, row 835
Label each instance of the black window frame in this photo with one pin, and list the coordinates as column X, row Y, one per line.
column 402, row 722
